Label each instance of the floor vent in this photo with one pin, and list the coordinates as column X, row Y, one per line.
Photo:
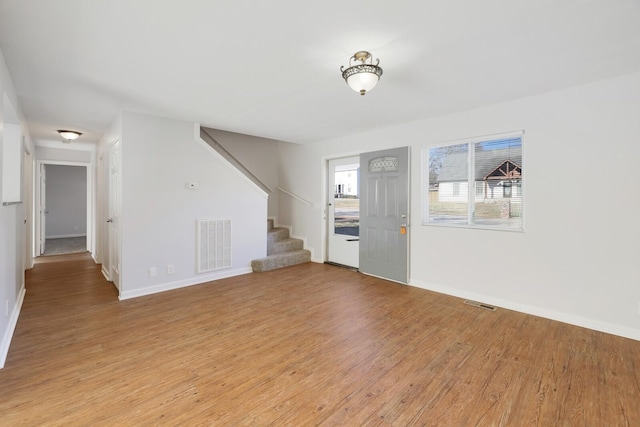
column 214, row 244
column 480, row 305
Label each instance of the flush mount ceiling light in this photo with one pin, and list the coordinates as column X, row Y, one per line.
column 69, row 135
column 363, row 76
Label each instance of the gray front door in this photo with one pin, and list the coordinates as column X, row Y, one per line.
column 384, row 214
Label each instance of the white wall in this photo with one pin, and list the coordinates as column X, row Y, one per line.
column 66, row 201
column 12, row 226
column 63, row 155
column 577, row 259
column 11, row 155
column 158, row 223
column 258, row 155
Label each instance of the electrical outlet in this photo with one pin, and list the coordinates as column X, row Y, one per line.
column 153, row 272
column 170, row 269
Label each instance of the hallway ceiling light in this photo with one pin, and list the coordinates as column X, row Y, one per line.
column 69, row 135
column 363, row 76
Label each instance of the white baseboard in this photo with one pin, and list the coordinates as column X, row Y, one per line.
column 571, row 319
column 162, row 287
column 105, row 272
column 11, row 327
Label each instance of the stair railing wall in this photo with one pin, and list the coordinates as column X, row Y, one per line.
column 231, row 159
column 295, row 196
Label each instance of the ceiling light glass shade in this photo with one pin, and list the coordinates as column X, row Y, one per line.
column 363, row 76
column 69, row 135
column 363, row 81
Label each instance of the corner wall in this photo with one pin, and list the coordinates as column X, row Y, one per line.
column 258, row 155
column 159, row 213
column 576, row 261
column 14, row 220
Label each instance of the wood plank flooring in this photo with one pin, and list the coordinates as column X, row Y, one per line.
column 306, row 345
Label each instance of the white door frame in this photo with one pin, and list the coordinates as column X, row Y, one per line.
column 340, row 249
column 41, row 212
column 36, row 207
column 29, row 223
column 114, row 203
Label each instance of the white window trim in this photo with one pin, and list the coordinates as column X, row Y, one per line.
column 471, row 182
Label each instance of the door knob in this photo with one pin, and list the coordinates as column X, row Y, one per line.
column 110, row 220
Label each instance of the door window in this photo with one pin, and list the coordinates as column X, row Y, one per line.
column 346, row 200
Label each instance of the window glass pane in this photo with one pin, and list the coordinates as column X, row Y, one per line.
column 347, row 201
column 498, row 181
column 448, row 184
column 475, row 184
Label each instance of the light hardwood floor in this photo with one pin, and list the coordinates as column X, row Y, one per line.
column 306, row 345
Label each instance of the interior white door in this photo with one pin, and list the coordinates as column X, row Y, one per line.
column 114, row 213
column 343, row 211
column 384, row 222
column 43, row 208
column 27, row 187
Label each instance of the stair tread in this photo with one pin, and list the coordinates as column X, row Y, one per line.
column 277, row 234
column 277, row 230
column 284, row 254
column 282, row 250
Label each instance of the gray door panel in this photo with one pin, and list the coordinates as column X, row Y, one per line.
column 384, row 210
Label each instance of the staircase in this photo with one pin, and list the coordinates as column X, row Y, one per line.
column 282, row 250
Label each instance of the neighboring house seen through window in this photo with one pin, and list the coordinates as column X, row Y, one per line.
column 491, row 167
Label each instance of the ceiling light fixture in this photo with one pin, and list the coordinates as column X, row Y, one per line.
column 69, row 135
column 363, row 76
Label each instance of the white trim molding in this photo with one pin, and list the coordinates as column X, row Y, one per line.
column 571, row 319
column 11, row 327
column 182, row 283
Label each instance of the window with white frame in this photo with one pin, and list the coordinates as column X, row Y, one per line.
column 475, row 183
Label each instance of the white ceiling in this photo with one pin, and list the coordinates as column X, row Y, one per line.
column 271, row 68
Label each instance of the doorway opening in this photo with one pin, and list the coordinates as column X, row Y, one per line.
column 368, row 213
column 343, row 212
column 63, row 209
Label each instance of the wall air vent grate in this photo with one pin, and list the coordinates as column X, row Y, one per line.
column 480, row 305
column 213, row 244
